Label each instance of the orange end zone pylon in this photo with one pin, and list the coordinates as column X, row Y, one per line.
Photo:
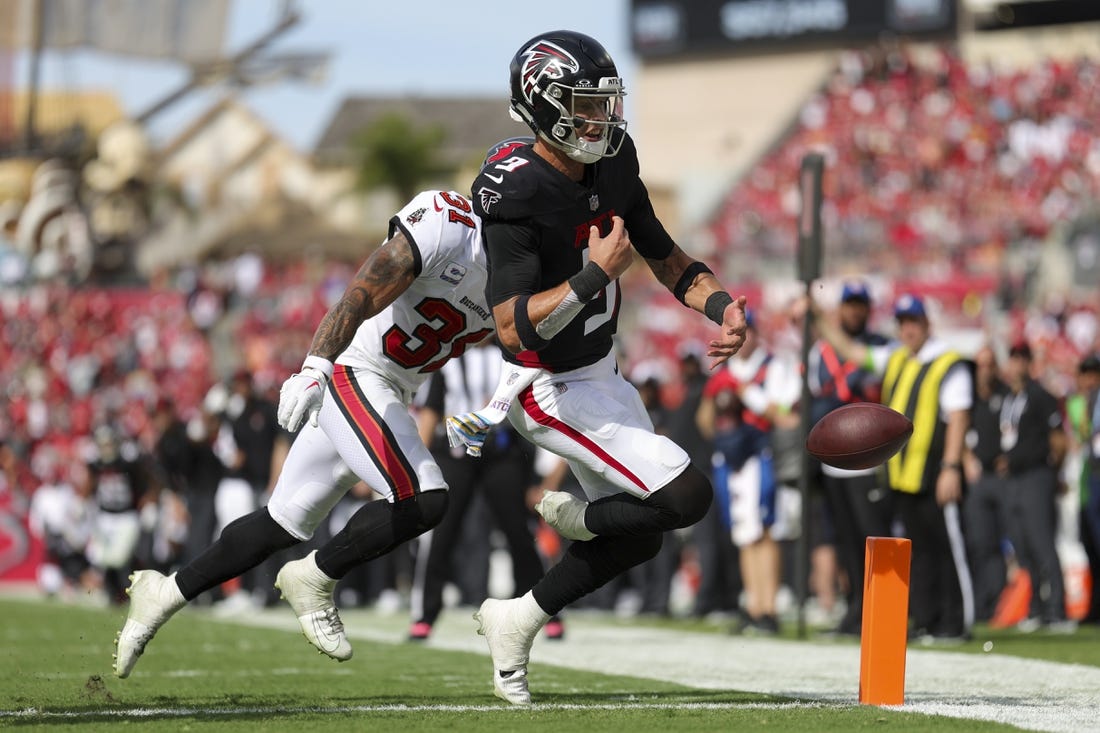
column 885, row 621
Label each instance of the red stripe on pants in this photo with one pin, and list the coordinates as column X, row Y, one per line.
column 531, row 407
column 372, row 431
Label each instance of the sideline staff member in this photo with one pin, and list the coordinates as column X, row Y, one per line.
column 932, row 385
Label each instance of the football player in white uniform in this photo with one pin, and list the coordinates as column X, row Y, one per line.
column 416, row 302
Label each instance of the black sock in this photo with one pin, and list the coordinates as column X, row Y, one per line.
column 378, row 528
column 244, row 544
column 587, row 566
column 625, row 515
column 680, row 503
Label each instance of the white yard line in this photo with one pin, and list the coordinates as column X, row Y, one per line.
column 34, row 714
column 1030, row 694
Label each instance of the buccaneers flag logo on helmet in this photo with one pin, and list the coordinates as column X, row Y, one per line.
column 545, row 59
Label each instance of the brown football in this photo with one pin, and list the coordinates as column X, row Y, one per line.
column 860, row 435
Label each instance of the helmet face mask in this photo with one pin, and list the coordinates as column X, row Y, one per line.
column 566, row 88
column 587, row 119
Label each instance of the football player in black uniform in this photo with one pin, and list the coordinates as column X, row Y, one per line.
column 561, row 219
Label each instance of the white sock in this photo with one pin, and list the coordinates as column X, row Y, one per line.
column 530, row 612
column 178, row 601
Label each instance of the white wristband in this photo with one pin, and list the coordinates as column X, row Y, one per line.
column 319, row 363
column 561, row 316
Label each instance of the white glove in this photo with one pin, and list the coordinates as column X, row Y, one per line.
column 469, row 429
column 301, row 396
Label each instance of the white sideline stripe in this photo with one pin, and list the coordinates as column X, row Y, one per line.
column 1027, row 693
column 184, row 673
column 34, row 713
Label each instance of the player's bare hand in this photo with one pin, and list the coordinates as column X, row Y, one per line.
column 948, row 487
column 732, row 336
column 613, row 253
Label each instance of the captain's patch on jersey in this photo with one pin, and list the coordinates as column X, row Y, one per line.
column 488, row 197
column 453, row 273
column 416, row 216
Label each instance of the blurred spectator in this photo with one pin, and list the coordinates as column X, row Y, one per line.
column 1033, row 446
column 741, row 404
column 859, row 505
column 719, row 584
column 121, row 484
column 171, row 446
column 201, row 478
column 261, row 442
column 180, row 462
column 234, row 497
column 61, row 517
column 261, row 450
column 985, row 508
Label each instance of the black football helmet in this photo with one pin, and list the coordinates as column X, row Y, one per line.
column 566, row 88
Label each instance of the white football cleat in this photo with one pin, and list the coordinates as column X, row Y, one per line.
column 153, row 600
column 565, row 513
column 510, row 636
column 310, row 593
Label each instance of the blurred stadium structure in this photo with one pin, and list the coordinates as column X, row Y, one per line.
column 963, row 162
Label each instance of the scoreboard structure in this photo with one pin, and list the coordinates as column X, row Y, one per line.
column 667, row 29
column 676, row 29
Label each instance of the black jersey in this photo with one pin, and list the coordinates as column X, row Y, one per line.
column 535, row 224
column 118, row 484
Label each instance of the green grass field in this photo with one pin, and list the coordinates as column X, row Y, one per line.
column 201, row 673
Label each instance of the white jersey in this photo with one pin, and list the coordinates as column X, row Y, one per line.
column 445, row 310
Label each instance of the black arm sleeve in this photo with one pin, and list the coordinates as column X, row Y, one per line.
column 647, row 234
column 514, row 265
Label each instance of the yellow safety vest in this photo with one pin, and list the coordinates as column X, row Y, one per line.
column 913, row 389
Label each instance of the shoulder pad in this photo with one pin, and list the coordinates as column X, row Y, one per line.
column 504, row 189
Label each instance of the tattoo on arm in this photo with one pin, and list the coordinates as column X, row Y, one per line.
column 386, row 274
column 667, row 271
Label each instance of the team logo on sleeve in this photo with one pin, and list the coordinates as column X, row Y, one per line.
column 453, row 273
column 416, row 216
column 488, row 197
column 545, row 59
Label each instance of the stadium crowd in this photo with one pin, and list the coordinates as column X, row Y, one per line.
column 935, row 166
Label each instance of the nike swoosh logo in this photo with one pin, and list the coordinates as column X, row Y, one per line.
column 495, row 179
column 322, row 634
column 436, row 205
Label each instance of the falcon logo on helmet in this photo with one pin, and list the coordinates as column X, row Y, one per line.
column 545, row 59
column 565, row 86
